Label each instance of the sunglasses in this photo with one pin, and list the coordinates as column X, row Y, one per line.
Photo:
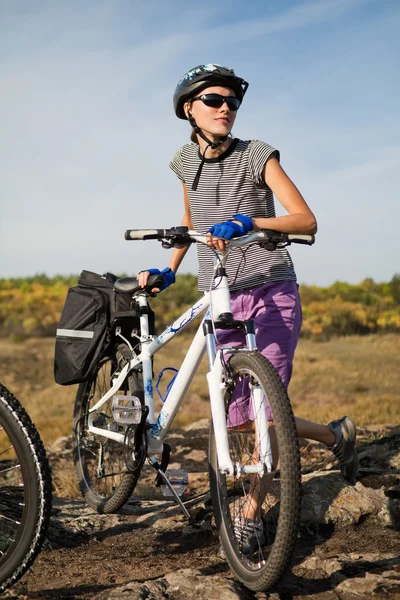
column 216, row 101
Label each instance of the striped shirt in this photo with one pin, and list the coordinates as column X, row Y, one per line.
column 229, row 184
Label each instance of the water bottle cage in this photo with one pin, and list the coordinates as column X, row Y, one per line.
column 169, row 385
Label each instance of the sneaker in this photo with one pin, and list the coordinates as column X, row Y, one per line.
column 249, row 534
column 344, row 448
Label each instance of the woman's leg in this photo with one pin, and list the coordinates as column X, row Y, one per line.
column 276, row 311
column 315, row 431
column 258, row 486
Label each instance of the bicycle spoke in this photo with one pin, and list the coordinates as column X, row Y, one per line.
column 100, row 461
column 8, row 519
column 6, row 450
column 9, row 469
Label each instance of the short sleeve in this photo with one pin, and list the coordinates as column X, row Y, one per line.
column 176, row 165
column 259, row 154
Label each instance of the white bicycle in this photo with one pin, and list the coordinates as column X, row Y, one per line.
column 116, row 429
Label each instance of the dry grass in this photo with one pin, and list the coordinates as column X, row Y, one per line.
column 358, row 376
column 64, row 481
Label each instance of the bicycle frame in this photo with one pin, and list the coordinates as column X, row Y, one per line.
column 220, row 304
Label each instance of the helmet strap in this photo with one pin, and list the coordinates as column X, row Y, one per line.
column 199, row 132
column 210, row 144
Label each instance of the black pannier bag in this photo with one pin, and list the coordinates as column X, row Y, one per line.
column 82, row 330
column 90, row 309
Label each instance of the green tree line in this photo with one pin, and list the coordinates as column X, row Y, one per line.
column 31, row 306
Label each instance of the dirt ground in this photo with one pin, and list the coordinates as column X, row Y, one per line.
column 81, row 567
column 88, row 556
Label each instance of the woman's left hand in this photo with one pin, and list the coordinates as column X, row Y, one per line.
column 236, row 227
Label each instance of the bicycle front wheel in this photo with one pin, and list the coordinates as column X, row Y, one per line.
column 259, row 555
column 25, row 490
column 100, row 464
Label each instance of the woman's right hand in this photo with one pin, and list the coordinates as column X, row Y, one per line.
column 167, row 274
column 142, row 278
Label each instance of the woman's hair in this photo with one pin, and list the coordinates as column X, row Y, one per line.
column 193, row 136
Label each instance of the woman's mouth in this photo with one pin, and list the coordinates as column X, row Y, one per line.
column 223, row 120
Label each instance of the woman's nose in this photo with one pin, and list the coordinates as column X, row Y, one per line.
column 225, row 107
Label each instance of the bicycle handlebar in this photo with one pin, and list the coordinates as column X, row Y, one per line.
column 182, row 236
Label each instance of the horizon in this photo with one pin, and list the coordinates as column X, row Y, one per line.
column 182, row 274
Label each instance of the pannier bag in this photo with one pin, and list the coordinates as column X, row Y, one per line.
column 82, row 331
column 90, row 309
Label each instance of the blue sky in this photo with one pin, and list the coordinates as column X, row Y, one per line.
column 88, row 129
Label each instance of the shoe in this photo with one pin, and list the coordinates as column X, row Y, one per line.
column 344, row 448
column 249, row 534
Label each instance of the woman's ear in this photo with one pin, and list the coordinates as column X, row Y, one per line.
column 186, row 107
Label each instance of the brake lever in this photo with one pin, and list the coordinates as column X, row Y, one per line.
column 272, row 245
column 177, row 240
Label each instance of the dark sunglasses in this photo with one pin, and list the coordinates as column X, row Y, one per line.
column 216, row 101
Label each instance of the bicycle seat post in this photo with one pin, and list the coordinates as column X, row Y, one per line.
column 144, row 318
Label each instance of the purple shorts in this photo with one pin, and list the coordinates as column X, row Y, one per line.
column 276, row 311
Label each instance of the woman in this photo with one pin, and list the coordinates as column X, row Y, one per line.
column 228, row 187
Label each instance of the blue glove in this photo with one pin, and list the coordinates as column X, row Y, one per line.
column 168, row 276
column 229, row 229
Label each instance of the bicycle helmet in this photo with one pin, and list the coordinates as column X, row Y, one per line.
column 204, row 76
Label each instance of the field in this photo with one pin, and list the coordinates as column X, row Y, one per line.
column 355, row 375
column 148, row 542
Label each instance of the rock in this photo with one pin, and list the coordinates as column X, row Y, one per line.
column 181, row 585
column 328, row 499
column 367, row 576
column 393, row 492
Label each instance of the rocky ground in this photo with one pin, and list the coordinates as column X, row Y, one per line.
column 348, row 546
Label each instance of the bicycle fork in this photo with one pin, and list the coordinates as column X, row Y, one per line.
column 217, row 386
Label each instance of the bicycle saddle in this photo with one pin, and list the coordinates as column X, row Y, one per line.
column 131, row 284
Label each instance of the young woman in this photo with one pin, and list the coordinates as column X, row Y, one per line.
column 228, row 188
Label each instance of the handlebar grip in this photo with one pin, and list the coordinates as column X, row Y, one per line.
column 143, row 234
column 301, row 238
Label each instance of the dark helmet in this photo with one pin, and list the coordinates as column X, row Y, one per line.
column 203, row 76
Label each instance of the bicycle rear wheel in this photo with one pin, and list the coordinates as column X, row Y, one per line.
column 100, row 465
column 25, row 490
column 261, row 566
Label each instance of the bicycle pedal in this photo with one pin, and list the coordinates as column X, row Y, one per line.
column 178, row 480
column 127, row 410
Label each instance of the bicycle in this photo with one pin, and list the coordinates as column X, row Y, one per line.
column 115, row 429
column 25, row 490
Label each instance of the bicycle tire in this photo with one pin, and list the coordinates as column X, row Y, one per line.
column 25, row 490
column 110, row 490
column 262, row 569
